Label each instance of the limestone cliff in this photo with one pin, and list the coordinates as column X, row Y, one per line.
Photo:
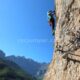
column 66, row 60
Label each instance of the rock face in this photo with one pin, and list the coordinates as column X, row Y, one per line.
column 66, row 60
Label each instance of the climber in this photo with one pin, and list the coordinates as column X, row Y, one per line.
column 51, row 20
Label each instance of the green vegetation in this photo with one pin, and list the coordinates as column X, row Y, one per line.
column 11, row 71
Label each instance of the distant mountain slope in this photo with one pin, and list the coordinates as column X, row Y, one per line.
column 2, row 54
column 42, row 71
column 11, row 71
column 28, row 65
column 33, row 67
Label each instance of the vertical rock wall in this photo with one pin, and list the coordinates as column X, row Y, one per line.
column 66, row 60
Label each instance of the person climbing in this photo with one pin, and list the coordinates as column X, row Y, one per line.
column 51, row 20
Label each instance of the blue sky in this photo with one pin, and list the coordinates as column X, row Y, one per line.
column 24, row 30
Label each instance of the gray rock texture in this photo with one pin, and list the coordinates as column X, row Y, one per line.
column 65, row 64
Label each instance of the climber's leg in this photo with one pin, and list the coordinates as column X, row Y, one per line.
column 53, row 29
column 53, row 26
